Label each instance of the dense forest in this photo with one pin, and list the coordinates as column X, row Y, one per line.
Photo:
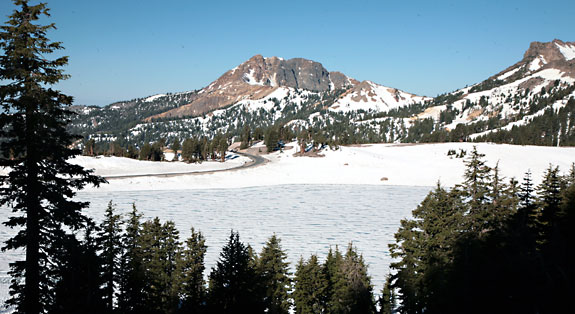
column 126, row 265
column 488, row 245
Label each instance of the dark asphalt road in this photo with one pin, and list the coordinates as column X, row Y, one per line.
column 256, row 161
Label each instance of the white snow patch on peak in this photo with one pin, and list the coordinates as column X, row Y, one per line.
column 508, row 74
column 568, row 51
column 250, row 79
column 554, row 74
column 375, row 97
column 154, row 97
column 535, row 65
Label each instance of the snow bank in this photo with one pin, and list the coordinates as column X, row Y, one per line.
column 118, row 166
column 378, row 164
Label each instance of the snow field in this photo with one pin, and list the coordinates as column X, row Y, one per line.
column 377, row 164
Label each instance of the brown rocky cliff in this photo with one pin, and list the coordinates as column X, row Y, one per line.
column 550, row 52
column 257, row 78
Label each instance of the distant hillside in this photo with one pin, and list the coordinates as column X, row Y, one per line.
column 527, row 103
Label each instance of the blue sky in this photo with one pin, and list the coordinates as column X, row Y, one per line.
column 124, row 49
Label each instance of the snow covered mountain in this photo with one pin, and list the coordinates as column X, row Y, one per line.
column 369, row 96
column 301, row 93
column 257, row 78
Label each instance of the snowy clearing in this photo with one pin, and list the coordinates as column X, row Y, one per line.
column 376, row 164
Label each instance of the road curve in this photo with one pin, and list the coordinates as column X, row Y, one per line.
column 256, row 160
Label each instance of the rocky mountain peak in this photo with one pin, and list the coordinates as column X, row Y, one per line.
column 297, row 73
column 258, row 77
column 554, row 51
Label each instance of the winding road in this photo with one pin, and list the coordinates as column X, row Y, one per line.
column 256, row 160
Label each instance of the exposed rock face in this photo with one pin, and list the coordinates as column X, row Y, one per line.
column 257, row 78
column 551, row 51
column 540, row 56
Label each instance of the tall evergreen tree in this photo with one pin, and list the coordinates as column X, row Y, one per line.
column 132, row 276
column 274, row 272
column 425, row 247
column 550, row 195
column 110, row 242
column 310, row 293
column 160, row 248
column 42, row 182
column 233, row 280
column 80, row 281
column 387, row 299
column 334, row 278
column 190, row 269
column 476, row 188
column 356, row 294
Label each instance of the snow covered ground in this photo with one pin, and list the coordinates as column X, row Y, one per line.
column 308, row 218
column 378, row 164
column 118, row 166
column 357, row 194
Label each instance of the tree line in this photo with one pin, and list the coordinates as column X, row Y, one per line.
column 488, row 245
column 194, row 149
column 134, row 266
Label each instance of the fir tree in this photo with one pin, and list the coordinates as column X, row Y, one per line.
column 246, row 137
column 41, row 183
column 387, row 300
column 310, row 294
column 550, row 195
column 132, row 276
column 334, row 278
column 110, row 242
column 80, row 281
column 274, row 272
column 176, row 146
column 356, row 294
column 190, row 270
column 476, row 188
column 233, row 280
column 425, row 247
column 160, row 249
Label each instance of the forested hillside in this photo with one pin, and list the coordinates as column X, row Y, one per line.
column 527, row 103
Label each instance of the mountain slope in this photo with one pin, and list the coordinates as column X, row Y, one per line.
column 257, row 78
column 297, row 93
column 543, row 79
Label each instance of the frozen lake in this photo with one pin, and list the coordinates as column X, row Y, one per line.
column 308, row 218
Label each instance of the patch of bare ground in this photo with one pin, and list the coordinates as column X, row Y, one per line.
column 260, row 150
column 311, row 153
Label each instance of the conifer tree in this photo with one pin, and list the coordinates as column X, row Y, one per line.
column 222, row 147
column 42, row 182
column 246, row 137
column 80, row 281
column 425, row 247
column 550, row 195
column 110, row 242
column 476, row 188
column 356, row 294
column 233, row 280
column 334, row 278
column 387, row 299
column 160, row 248
column 274, row 272
column 176, row 145
column 132, row 276
column 526, row 192
column 310, row 293
column 190, row 271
